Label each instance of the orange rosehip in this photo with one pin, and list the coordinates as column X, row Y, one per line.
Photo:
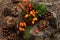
column 33, row 15
column 36, row 31
column 35, row 19
column 25, row 1
column 24, row 24
column 26, row 16
column 20, row 29
column 33, row 22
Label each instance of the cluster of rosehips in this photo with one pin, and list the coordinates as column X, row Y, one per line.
column 31, row 13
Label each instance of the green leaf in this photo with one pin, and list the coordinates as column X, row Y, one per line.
column 41, row 8
column 27, row 32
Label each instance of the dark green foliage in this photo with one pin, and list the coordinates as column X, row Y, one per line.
column 27, row 32
column 41, row 8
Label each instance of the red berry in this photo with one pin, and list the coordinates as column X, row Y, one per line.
column 41, row 28
column 30, row 8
